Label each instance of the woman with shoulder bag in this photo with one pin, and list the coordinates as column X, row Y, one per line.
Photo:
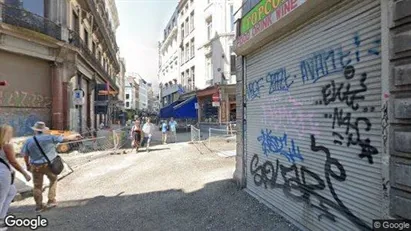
column 135, row 135
column 7, row 163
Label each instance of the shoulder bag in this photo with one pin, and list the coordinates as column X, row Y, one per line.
column 56, row 166
column 13, row 174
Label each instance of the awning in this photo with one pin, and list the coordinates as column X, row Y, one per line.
column 186, row 109
column 168, row 111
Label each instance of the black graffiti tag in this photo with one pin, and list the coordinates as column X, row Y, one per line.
column 297, row 188
column 344, row 93
column 353, row 133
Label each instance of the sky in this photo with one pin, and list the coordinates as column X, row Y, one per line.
column 141, row 27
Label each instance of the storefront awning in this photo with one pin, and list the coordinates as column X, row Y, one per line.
column 168, row 111
column 186, row 109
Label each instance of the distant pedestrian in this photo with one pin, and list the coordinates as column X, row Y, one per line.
column 173, row 129
column 32, row 151
column 148, row 129
column 7, row 163
column 135, row 135
column 164, row 128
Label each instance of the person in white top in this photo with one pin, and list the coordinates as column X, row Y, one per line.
column 148, row 129
column 8, row 163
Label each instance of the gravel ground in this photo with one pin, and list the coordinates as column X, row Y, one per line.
column 173, row 187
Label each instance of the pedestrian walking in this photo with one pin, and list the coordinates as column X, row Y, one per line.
column 164, row 129
column 148, row 129
column 8, row 163
column 32, row 151
column 135, row 135
column 173, row 129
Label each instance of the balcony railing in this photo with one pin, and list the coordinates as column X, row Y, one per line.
column 76, row 40
column 22, row 18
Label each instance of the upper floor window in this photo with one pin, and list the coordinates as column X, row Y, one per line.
column 209, row 28
column 127, row 96
column 186, row 27
column 182, row 56
column 192, row 48
column 209, row 69
column 192, row 21
column 86, row 37
column 187, row 49
column 182, row 30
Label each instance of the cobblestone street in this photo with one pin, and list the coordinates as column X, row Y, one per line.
column 173, row 187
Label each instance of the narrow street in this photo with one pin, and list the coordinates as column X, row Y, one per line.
column 173, row 187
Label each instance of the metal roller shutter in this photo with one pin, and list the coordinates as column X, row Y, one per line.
column 314, row 120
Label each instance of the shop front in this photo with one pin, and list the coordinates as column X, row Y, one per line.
column 311, row 134
column 216, row 106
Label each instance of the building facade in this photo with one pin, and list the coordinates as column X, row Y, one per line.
column 67, row 48
column 169, row 67
column 323, row 115
column 143, row 95
column 131, row 90
column 204, row 34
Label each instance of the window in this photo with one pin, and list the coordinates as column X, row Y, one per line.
column 187, row 76
column 192, row 21
column 233, row 63
column 182, row 30
column 182, row 77
column 186, row 27
column 232, row 17
column 93, row 47
column 86, row 37
column 127, row 104
column 187, row 49
column 209, row 69
column 182, row 56
column 192, row 78
column 127, row 96
column 192, row 48
column 209, row 29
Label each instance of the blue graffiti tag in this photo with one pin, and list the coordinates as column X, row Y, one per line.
column 278, row 80
column 376, row 49
column 279, row 145
column 253, row 89
column 334, row 59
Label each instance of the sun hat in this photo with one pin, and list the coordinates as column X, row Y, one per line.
column 40, row 126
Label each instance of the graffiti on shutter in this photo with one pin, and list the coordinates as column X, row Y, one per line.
column 344, row 102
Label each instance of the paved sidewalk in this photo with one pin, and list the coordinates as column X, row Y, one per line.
column 171, row 188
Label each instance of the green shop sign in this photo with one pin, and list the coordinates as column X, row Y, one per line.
column 260, row 11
